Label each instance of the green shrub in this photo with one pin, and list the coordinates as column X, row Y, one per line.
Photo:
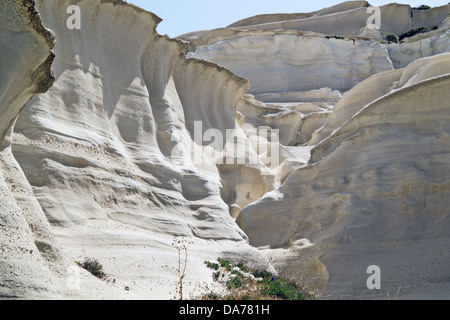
column 94, row 267
column 212, row 296
column 247, row 287
column 237, row 273
column 422, row 7
column 282, row 289
column 216, row 275
column 235, row 282
column 243, row 267
column 263, row 274
column 225, row 264
column 413, row 32
column 392, row 38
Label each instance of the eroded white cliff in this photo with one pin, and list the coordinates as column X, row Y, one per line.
column 372, row 115
column 29, row 253
column 142, row 139
column 109, row 151
column 374, row 191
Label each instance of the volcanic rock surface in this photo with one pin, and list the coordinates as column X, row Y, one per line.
column 303, row 142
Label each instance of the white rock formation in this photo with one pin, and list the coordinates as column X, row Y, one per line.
column 364, row 196
column 420, row 46
column 349, row 18
column 111, row 118
column 375, row 192
column 28, row 249
column 328, row 145
column 296, row 62
column 103, row 150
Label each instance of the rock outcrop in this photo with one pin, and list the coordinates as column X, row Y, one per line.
column 372, row 116
column 303, row 141
column 374, row 192
column 284, row 61
column 109, row 152
column 28, row 249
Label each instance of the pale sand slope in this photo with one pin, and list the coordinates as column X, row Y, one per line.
column 375, row 192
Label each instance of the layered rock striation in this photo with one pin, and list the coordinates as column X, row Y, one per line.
column 374, row 191
column 303, row 141
column 29, row 253
column 109, row 152
column 372, row 115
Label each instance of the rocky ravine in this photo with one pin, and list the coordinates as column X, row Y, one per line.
column 104, row 161
column 375, row 190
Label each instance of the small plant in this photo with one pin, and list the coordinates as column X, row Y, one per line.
column 182, row 248
column 243, row 267
column 214, row 266
column 244, row 283
column 413, row 32
column 94, row 267
column 282, row 289
column 225, row 264
column 235, row 282
column 237, row 273
column 422, row 7
column 212, row 296
column 392, row 38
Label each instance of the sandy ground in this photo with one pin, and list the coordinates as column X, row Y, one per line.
column 140, row 265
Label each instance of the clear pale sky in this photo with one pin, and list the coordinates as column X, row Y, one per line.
column 183, row 16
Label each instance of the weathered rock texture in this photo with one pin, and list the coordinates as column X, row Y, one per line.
column 375, row 192
column 129, row 149
column 28, row 250
column 99, row 150
column 374, row 115
column 292, row 61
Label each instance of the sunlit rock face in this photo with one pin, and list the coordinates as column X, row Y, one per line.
column 374, row 192
column 110, row 152
column 103, row 134
column 303, row 141
column 295, row 62
column 373, row 116
column 28, row 249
